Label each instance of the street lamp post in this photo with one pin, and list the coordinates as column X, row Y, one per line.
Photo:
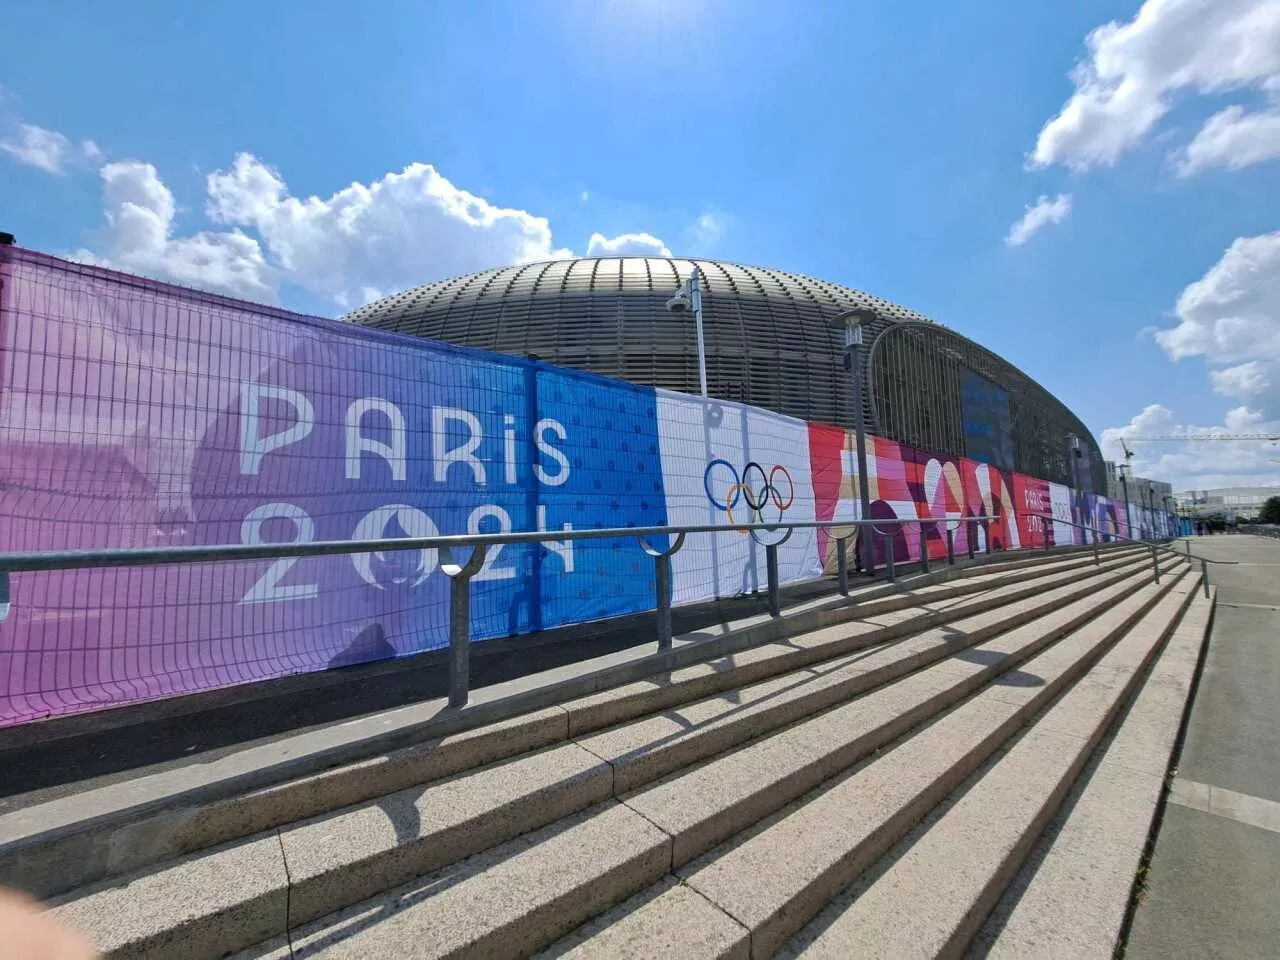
column 1075, row 487
column 1123, row 470
column 689, row 297
column 851, row 322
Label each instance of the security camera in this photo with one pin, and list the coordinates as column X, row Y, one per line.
column 679, row 303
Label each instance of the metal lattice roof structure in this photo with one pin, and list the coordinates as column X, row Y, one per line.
column 768, row 335
column 770, row 342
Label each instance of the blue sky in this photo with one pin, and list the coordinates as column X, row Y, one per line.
column 888, row 146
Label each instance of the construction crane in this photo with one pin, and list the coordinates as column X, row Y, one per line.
column 1127, row 469
column 1268, row 437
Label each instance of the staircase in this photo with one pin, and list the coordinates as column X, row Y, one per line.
column 903, row 780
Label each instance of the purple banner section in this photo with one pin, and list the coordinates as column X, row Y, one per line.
column 135, row 414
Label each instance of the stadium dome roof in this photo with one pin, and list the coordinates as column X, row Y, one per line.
column 769, row 339
column 622, row 275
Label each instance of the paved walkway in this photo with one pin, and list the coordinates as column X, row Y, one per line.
column 1214, row 882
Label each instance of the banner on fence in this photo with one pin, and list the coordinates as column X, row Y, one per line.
column 137, row 414
column 723, row 464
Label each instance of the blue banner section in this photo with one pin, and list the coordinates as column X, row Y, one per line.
column 614, row 479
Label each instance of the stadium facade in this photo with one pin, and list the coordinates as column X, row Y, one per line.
column 772, row 340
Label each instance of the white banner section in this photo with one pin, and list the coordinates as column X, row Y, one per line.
column 725, row 463
column 1060, row 501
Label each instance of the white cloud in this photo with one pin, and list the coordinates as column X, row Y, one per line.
column 47, row 150
column 1231, row 317
column 1038, row 216
column 38, row 147
column 1233, row 139
column 1135, row 71
column 404, row 229
column 1154, row 419
column 140, row 212
column 626, row 245
column 1203, row 464
column 1252, row 379
column 1232, row 313
column 360, row 243
column 706, row 233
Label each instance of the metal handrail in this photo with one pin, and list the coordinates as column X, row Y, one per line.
column 25, row 562
column 460, row 572
column 1261, row 530
column 1115, row 536
column 1204, row 561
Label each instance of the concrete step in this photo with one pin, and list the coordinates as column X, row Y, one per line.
column 667, row 919
column 641, row 932
column 1070, row 898
column 337, row 859
column 504, row 903
column 1031, row 557
column 645, row 749
column 931, row 610
column 986, row 576
column 899, row 909
column 773, row 877
column 710, row 802
column 74, row 840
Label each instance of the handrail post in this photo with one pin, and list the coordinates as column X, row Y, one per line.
column 951, row 547
column 662, row 597
column 771, row 567
column 662, row 587
column 4, row 595
column 1155, row 563
column 1204, row 576
column 888, row 558
column 986, row 535
column 972, row 535
column 1044, row 529
column 460, row 575
column 842, row 561
column 1188, row 548
column 924, row 551
column 1097, row 559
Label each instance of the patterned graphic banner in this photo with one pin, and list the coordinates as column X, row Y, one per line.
column 905, row 484
column 136, row 414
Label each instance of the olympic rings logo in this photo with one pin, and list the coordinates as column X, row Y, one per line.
column 755, row 487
